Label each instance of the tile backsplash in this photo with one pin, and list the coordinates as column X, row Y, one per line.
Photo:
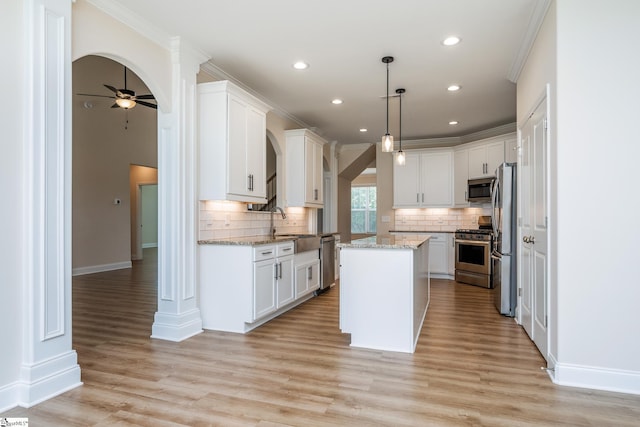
column 232, row 219
column 438, row 219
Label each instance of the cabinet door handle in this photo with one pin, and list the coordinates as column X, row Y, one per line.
column 417, row 197
column 310, row 273
column 422, row 197
column 286, row 249
column 465, row 196
column 275, row 269
column 267, row 253
column 280, row 268
column 315, row 194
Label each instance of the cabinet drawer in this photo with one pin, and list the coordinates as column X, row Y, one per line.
column 264, row 252
column 284, row 249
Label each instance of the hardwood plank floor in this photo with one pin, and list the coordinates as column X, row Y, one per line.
column 472, row 367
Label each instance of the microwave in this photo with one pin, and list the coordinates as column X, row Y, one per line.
column 479, row 190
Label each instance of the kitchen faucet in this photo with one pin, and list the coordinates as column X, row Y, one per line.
column 284, row 216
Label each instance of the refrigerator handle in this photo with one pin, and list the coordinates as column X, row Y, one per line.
column 494, row 197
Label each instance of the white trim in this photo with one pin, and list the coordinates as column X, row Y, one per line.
column 531, row 33
column 47, row 379
column 90, row 269
column 176, row 328
column 593, row 377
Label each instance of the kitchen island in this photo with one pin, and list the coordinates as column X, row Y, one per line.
column 384, row 291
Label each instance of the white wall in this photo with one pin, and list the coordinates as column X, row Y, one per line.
column 598, row 93
column 594, row 289
column 11, row 243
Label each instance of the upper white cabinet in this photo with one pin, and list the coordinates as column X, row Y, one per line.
column 485, row 159
column 460, row 177
column 232, row 142
column 426, row 180
column 304, row 168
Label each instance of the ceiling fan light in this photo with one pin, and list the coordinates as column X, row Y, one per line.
column 125, row 103
column 387, row 143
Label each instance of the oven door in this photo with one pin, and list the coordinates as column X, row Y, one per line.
column 473, row 256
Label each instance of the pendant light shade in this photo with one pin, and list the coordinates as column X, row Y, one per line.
column 387, row 139
column 400, row 157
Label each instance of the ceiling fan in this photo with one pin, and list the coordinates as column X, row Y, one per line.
column 125, row 98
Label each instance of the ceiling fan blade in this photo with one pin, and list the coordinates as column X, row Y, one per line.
column 149, row 96
column 91, row 94
column 115, row 105
column 147, row 104
column 111, row 88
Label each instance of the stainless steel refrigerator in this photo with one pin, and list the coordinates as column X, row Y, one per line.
column 503, row 256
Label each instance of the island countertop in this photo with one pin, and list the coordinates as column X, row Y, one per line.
column 385, row 242
column 247, row 240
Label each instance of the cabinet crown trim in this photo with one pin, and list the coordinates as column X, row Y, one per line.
column 225, row 86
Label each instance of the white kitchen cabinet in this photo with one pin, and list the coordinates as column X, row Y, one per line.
column 451, row 245
column 243, row 286
column 460, row 177
column 304, row 179
column 264, row 289
column 232, row 144
column 284, row 281
column 484, row 159
column 307, row 273
column 438, row 254
column 425, row 180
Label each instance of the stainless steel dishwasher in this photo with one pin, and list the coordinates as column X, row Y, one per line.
column 327, row 262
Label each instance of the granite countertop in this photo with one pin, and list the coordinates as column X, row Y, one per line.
column 419, row 231
column 383, row 242
column 247, row 241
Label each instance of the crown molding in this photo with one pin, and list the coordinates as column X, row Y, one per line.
column 489, row 133
column 540, row 9
column 134, row 21
column 218, row 73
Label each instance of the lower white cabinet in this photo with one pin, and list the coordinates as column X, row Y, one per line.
column 438, row 254
column 242, row 286
column 307, row 266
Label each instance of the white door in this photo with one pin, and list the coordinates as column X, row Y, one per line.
column 540, row 230
column 534, row 228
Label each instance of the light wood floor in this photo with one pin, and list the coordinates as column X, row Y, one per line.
column 472, row 367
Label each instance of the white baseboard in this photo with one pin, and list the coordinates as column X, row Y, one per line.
column 79, row 271
column 149, row 245
column 42, row 381
column 597, row 378
column 176, row 328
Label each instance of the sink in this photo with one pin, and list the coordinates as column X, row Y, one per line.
column 303, row 242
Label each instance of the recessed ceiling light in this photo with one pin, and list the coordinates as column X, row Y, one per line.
column 453, row 88
column 337, row 101
column 451, row 41
column 300, row 65
column 363, row 130
column 453, row 122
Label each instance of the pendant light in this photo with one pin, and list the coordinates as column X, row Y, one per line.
column 400, row 157
column 387, row 139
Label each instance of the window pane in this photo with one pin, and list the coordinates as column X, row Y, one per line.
column 358, row 197
column 357, row 222
column 372, row 222
column 372, row 198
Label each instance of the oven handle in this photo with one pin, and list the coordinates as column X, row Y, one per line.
column 474, row 242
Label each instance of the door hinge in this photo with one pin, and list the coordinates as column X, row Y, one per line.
column 544, row 123
column 546, row 320
column 519, row 292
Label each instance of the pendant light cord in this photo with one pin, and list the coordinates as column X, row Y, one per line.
column 387, row 98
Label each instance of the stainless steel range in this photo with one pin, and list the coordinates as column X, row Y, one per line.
column 473, row 257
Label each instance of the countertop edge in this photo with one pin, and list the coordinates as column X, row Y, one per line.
column 370, row 243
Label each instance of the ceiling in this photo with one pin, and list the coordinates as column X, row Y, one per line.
column 256, row 42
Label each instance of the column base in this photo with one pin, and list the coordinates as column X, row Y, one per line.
column 172, row 327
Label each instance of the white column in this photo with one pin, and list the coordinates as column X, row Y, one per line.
column 49, row 365
column 178, row 316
